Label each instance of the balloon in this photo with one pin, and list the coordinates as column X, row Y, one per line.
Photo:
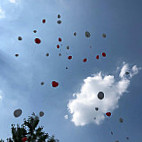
column 127, row 73
column 42, row 83
column 74, row 33
column 100, row 95
column 111, row 132
column 121, row 120
column 96, row 108
column 47, row 54
column 59, row 21
column 87, row 34
column 104, row 35
column 59, row 16
column 41, row 113
column 34, row 31
column 16, row 55
column 17, row 112
column 68, row 47
column 19, row 38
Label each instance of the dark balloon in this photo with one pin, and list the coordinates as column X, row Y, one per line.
column 59, row 21
column 100, row 95
column 42, row 83
column 121, row 120
column 16, row 55
column 104, row 35
column 41, row 113
column 19, row 38
column 47, row 54
column 59, row 16
column 96, row 108
column 87, row 34
column 127, row 73
column 68, row 47
column 74, row 33
column 34, row 31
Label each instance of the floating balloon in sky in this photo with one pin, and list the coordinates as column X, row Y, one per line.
column 127, row 73
column 104, row 54
column 104, row 35
column 96, row 108
column 59, row 39
column 97, row 57
column 84, row 60
column 43, row 21
column 41, row 113
column 55, row 84
column 17, row 112
column 42, row 83
column 60, row 54
column 127, row 138
column 111, row 133
column 100, row 95
column 47, row 54
column 58, row 46
column 87, row 34
column 16, row 55
column 108, row 113
column 68, row 47
column 19, row 38
column 74, row 33
column 121, row 120
column 34, row 31
column 69, row 57
column 59, row 16
column 66, row 67
column 59, row 21
column 37, row 40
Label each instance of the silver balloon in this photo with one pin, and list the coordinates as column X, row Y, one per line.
column 100, row 95
column 17, row 112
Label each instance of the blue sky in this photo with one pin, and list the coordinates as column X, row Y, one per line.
column 76, row 95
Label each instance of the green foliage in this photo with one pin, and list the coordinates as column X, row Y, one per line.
column 29, row 131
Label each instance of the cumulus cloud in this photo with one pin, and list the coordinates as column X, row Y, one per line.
column 66, row 116
column 2, row 13
column 82, row 106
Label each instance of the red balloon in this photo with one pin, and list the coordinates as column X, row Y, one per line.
column 43, row 21
column 104, row 54
column 97, row 57
column 59, row 39
column 24, row 139
column 58, row 46
column 108, row 113
column 37, row 40
column 55, row 84
column 84, row 60
column 69, row 57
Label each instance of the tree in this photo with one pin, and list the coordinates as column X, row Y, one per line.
column 28, row 132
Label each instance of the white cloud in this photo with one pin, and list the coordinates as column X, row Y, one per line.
column 2, row 13
column 66, row 116
column 12, row 1
column 82, row 107
column 1, row 94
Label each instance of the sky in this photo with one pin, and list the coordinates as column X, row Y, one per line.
column 69, row 108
